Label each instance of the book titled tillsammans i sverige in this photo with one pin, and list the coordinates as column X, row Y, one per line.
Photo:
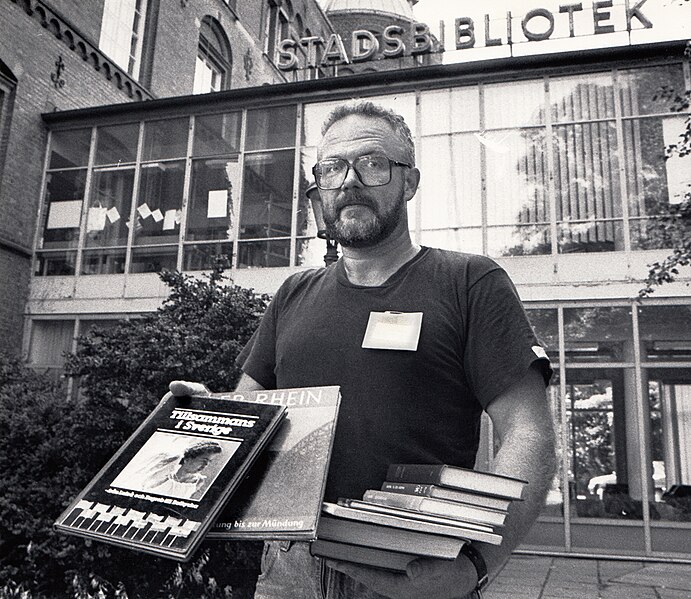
column 282, row 496
column 167, row 484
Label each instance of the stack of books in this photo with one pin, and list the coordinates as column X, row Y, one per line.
column 420, row 511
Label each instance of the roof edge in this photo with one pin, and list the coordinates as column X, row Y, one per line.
column 511, row 67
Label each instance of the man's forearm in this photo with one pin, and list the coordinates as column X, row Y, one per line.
column 528, row 455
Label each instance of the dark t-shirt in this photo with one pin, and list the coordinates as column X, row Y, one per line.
column 419, row 406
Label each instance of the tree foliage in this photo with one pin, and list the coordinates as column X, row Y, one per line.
column 51, row 446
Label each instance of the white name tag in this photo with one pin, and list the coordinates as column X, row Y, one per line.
column 393, row 330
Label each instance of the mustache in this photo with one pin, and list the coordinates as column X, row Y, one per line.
column 353, row 197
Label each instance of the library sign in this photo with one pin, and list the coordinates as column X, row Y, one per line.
column 538, row 24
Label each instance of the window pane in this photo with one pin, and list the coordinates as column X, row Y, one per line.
column 587, row 187
column 267, row 200
column 117, row 144
column 154, row 259
column 215, row 187
column 158, row 213
column 50, row 340
column 450, row 188
column 450, row 110
column 519, row 240
column 665, row 333
column 204, row 256
column 264, row 253
column 109, row 209
column 583, row 97
column 69, row 148
column 546, row 327
column 514, row 104
column 63, row 208
column 103, row 262
column 517, row 177
column 165, row 139
column 269, row 128
column 655, row 183
column 669, row 469
column 598, row 334
column 606, row 482
column 640, row 88
column 217, row 134
column 50, row 264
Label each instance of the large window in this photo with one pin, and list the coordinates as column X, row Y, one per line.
column 8, row 83
column 535, row 167
column 122, row 33
column 541, row 167
column 214, row 60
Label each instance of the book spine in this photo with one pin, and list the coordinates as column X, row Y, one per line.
column 422, row 473
column 408, row 489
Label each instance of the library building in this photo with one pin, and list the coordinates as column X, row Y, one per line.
column 543, row 140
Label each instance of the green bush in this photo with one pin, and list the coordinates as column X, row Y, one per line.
column 50, row 447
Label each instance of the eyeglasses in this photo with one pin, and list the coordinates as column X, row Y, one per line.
column 373, row 170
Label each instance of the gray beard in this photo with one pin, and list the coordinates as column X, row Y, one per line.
column 364, row 233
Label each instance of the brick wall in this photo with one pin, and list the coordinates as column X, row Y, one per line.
column 30, row 51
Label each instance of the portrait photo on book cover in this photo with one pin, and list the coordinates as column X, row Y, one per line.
column 175, row 465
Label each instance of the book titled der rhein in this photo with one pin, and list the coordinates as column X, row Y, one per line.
column 168, row 482
column 282, row 496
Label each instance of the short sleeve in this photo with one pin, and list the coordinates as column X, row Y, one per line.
column 500, row 343
column 258, row 358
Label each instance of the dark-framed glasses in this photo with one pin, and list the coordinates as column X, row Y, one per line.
column 372, row 170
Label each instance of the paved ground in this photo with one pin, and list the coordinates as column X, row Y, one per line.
column 537, row 577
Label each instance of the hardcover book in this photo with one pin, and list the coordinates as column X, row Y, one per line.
column 458, row 478
column 437, row 507
column 164, row 488
column 379, row 536
column 362, row 511
column 282, row 496
column 423, row 490
column 359, row 554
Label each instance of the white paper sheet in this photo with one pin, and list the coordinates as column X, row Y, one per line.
column 64, row 215
column 169, row 220
column 96, row 220
column 218, row 203
column 113, row 215
column 144, row 211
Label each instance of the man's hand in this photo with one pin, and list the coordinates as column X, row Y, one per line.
column 424, row 579
column 185, row 388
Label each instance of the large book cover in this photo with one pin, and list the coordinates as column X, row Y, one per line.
column 359, row 554
column 378, row 536
column 437, row 507
column 400, row 518
column 282, row 496
column 458, row 478
column 424, row 490
column 166, row 485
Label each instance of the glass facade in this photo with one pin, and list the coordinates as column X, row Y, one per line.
column 548, row 166
column 555, row 165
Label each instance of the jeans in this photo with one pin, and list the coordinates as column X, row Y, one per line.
column 290, row 572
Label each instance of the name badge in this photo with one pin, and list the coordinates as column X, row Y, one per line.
column 393, row 330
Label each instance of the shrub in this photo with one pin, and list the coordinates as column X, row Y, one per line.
column 50, row 447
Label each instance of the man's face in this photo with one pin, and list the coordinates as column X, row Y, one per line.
column 356, row 215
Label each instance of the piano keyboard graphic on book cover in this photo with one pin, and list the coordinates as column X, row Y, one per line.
column 129, row 524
